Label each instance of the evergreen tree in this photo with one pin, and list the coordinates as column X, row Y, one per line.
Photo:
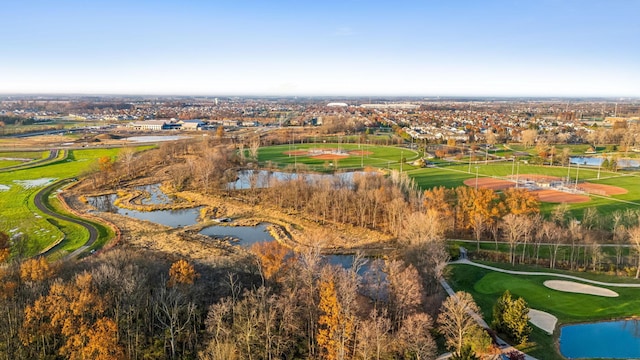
column 511, row 317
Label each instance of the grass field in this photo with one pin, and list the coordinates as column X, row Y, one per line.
column 18, row 214
column 8, row 158
column 379, row 157
column 486, row 286
column 453, row 174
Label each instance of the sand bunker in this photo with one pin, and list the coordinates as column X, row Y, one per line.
column 543, row 320
column 575, row 287
column 4, row 187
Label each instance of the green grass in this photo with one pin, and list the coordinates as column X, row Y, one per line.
column 380, row 157
column 453, row 174
column 76, row 235
column 18, row 214
column 32, row 155
column 486, row 286
column 427, row 178
column 7, row 163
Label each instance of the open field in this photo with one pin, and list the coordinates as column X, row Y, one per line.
column 18, row 214
column 13, row 158
column 353, row 156
column 453, row 174
column 486, row 286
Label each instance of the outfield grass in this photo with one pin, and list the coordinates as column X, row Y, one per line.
column 453, row 174
column 18, row 214
column 380, row 157
column 487, row 286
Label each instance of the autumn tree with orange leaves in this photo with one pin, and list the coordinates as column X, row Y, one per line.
column 520, row 201
column 36, row 270
column 5, row 247
column 333, row 326
column 71, row 314
column 271, row 257
column 182, row 272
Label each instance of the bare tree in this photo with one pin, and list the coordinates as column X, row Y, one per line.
column 174, row 313
column 634, row 239
column 456, row 319
column 479, row 226
column 254, row 146
column 529, row 137
column 415, row 337
column 513, row 227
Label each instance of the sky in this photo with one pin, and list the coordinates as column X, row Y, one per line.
column 330, row 48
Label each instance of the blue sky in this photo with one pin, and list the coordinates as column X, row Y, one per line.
column 424, row 48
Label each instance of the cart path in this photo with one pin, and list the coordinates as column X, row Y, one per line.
column 535, row 273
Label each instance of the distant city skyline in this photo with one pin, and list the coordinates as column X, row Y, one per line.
column 331, row 48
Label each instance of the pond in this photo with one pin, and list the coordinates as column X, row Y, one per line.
column 172, row 218
column 261, row 178
column 156, row 196
column 607, row 340
column 154, row 138
column 246, row 235
column 597, row 161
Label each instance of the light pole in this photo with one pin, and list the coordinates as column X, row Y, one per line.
column 476, row 178
column 469, row 171
column 577, row 174
column 518, row 174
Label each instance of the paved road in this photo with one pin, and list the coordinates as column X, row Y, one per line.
column 53, row 153
column 93, row 231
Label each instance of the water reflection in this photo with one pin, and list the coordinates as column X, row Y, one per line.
column 254, row 179
column 597, row 161
column 172, row 218
column 246, row 235
column 156, row 195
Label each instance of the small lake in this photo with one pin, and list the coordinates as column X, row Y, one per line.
column 597, row 161
column 606, row 340
column 155, row 138
column 156, row 196
column 172, row 218
column 261, row 178
column 246, row 235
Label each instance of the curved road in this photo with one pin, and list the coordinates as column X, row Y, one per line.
column 93, row 231
column 53, row 153
column 513, row 272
